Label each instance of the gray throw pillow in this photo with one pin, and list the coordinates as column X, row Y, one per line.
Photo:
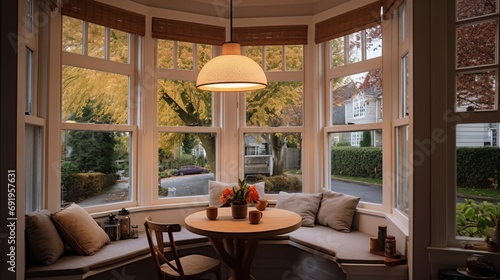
column 43, row 239
column 337, row 210
column 304, row 204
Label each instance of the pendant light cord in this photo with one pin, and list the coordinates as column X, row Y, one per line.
column 231, row 21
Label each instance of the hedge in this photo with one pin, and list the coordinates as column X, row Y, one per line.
column 85, row 185
column 364, row 162
column 478, row 167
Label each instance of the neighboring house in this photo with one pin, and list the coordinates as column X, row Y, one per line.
column 477, row 135
column 360, row 103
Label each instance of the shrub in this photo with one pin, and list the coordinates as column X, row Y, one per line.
column 365, row 162
column 275, row 184
column 476, row 219
column 85, row 185
column 478, row 167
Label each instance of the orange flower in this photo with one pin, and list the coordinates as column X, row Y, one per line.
column 252, row 195
column 227, row 194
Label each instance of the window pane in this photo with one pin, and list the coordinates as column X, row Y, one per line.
column 274, row 158
column 337, row 52
column 165, row 54
column 33, row 168
column 476, row 44
column 96, row 34
column 274, row 58
column 403, row 23
column 30, row 12
column 280, row 104
column 474, row 8
column 373, row 39
column 355, row 46
column 402, row 162
column 72, row 37
column 118, row 46
column 477, row 177
column 255, row 53
column 356, row 164
column 404, row 94
column 93, row 96
column 181, row 104
column 476, row 91
column 95, row 167
column 357, row 98
column 30, row 81
column 185, row 56
column 204, row 54
column 186, row 162
column 294, row 57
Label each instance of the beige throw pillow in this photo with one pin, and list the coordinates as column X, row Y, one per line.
column 43, row 239
column 80, row 231
column 337, row 210
column 304, row 204
column 215, row 190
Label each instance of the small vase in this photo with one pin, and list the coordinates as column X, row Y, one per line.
column 239, row 211
column 495, row 237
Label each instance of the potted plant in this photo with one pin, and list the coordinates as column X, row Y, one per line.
column 238, row 198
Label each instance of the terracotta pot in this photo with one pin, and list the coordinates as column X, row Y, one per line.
column 239, row 211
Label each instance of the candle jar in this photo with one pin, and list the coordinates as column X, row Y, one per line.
column 124, row 220
column 112, row 227
column 134, row 232
column 390, row 246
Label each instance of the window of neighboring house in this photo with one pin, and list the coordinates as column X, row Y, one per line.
column 475, row 73
column 187, row 135
column 358, row 107
column 98, row 132
column 273, row 128
column 355, row 99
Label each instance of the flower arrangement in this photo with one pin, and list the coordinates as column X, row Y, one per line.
column 241, row 195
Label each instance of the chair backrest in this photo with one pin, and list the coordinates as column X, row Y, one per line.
column 157, row 245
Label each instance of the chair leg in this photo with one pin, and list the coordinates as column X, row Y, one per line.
column 218, row 274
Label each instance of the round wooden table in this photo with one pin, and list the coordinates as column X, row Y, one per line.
column 236, row 240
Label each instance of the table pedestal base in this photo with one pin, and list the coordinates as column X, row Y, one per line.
column 237, row 254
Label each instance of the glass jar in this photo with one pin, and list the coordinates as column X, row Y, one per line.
column 112, row 227
column 124, row 220
column 390, row 246
column 134, row 232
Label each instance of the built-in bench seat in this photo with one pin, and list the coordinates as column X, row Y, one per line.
column 339, row 247
column 114, row 254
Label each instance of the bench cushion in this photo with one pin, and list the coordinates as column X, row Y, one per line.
column 114, row 253
column 352, row 247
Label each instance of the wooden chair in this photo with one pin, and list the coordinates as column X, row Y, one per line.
column 186, row 267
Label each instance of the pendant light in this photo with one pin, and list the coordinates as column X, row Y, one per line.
column 231, row 71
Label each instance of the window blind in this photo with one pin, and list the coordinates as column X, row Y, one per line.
column 271, row 35
column 106, row 15
column 169, row 29
column 349, row 22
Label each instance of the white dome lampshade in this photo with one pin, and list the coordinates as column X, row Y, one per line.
column 231, row 71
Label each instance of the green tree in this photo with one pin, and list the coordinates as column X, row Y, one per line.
column 92, row 150
column 366, row 140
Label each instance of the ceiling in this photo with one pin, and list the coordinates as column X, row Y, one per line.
column 246, row 8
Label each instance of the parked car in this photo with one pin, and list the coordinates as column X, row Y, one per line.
column 191, row 169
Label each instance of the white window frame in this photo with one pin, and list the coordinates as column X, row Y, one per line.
column 125, row 69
